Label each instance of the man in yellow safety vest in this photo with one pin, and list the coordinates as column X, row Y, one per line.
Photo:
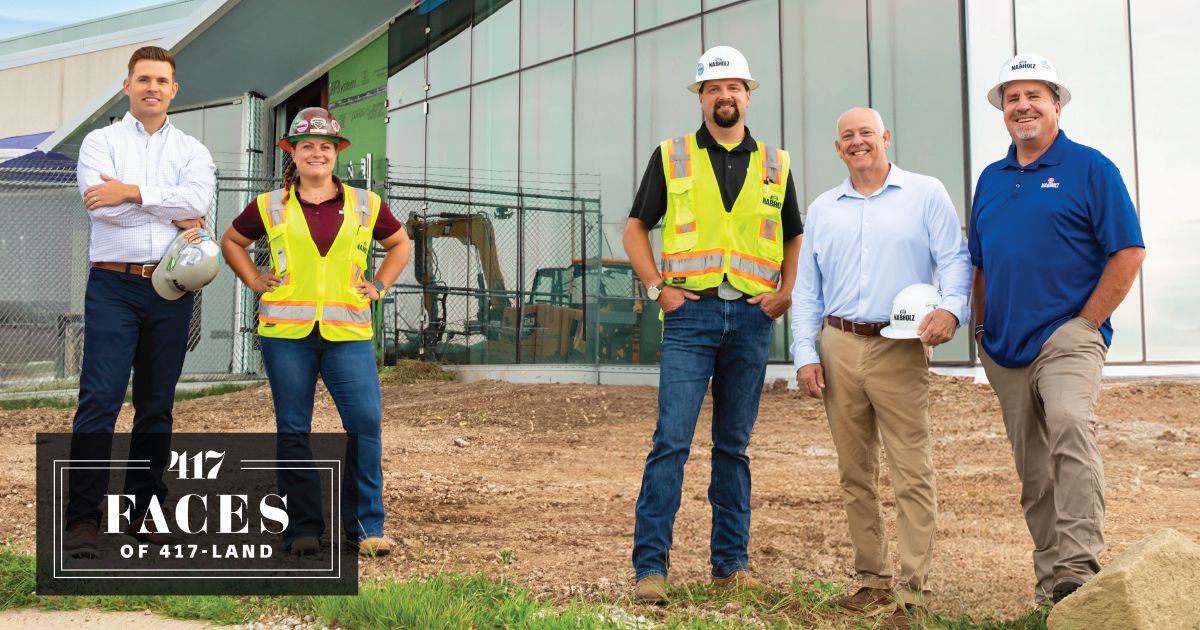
column 731, row 233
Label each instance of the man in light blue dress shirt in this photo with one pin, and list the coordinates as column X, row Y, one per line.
column 880, row 231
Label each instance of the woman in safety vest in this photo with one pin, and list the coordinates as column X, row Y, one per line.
column 315, row 319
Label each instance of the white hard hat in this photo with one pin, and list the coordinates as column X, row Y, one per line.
column 909, row 309
column 1028, row 67
column 190, row 264
column 722, row 62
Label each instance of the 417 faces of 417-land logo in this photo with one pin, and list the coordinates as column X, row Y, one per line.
column 197, row 513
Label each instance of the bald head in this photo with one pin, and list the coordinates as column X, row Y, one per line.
column 859, row 116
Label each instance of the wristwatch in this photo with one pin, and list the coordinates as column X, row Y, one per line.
column 655, row 291
column 378, row 286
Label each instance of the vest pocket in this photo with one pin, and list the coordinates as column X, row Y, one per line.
column 680, row 232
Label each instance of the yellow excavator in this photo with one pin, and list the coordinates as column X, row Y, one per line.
column 554, row 324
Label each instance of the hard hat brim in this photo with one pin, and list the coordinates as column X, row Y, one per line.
column 163, row 287
column 997, row 99
column 341, row 143
column 891, row 333
column 695, row 87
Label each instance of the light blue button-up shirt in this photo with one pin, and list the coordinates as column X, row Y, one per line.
column 859, row 252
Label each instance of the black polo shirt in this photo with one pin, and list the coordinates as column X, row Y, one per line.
column 730, row 167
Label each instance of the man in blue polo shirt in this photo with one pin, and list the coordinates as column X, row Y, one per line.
column 1056, row 245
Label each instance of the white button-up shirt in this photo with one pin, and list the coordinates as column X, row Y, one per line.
column 859, row 252
column 174, row 173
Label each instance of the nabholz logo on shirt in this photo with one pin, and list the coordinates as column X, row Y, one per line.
column 1050, row 183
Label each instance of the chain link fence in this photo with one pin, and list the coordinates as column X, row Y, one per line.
column 499, row 274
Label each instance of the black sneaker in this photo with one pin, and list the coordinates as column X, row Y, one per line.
column 1064, row 586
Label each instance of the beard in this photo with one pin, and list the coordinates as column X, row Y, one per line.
column 1027, row 134
column 726, row 122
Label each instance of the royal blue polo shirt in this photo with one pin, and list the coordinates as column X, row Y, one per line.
column 1043, row 234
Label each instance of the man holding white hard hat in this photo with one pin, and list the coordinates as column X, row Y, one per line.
column 1056, row 245
column 869, row 240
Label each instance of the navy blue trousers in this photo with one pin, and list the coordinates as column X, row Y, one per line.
column 127, row 325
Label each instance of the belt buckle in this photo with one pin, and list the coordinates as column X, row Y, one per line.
column 854, row 328
column 149, row 268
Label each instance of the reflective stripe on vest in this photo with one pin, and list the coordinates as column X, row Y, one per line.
column 363, row 212
column 688, row 264
column 680, row 154
column 287, row 312
column 770, row 164
column 342, row 314
column 755, row 269
column 276, row 208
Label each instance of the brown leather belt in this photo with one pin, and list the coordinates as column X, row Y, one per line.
column 858, row 328
column 709, row 292
column 133, row 268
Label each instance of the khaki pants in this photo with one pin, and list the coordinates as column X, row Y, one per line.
column 1048, row 413
column 878, row 386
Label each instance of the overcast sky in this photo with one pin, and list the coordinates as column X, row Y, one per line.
column 18, row 17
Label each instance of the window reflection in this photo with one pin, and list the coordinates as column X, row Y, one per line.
column 494, row 141
column 497, row 38
column 601, row 21
column 547, row 30
column 450, row 64
column 741, row 27
column 1166, row 74
column 651, row 14
column 604, row 136
column 666, row 60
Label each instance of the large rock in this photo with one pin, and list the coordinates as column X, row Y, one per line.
column 1154, row 585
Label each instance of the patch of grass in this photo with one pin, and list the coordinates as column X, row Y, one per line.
column 38, row 403
column 69, row 403
column 453, row 601
column 408, row 371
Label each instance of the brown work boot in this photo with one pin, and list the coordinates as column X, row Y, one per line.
column 80, row 541
column 867, row 597
column 305, row 546
column 905, row 617
column 738, row 579
column 133, row 530
column 651, row 589
column 372, row 547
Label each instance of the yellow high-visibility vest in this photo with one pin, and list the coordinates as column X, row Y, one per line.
column 317, row 288
column 701, row 242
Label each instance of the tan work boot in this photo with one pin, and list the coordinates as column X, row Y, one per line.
column 905, row 617
column 651, row 589
column 867, row 597
column 81, row 540
column 372, row 547
column 738, row 579
column 133, row 530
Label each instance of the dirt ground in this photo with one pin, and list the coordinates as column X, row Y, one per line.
column 551, row 472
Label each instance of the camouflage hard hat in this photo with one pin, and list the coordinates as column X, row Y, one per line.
column 314, row 122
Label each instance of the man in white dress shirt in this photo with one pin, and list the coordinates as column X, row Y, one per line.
column 880, row 231
column 142, row 180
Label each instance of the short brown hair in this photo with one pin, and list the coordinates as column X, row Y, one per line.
column 151, row 53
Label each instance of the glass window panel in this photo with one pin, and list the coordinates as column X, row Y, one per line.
column 546, row 126
column 494, row 141
column 497, row 38
column 604, row 136
column 821, row 86
column 666, row 62
column 709, row 5
column 600, row 21
column 450, row 64
column 989, row 45
column 923, row 110
column 406, row 143
column 448, row 137
column 1094, row 63
column 1166, row 59
column 656, row 12
column 745, row 27
column 547, row 30
column 407, row 86
column 406, row 40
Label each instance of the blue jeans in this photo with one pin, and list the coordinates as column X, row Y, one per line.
column 127, row 325
column 349, row 372
column 729, row 342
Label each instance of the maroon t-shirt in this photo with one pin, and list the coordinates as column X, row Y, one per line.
column 323, row 220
